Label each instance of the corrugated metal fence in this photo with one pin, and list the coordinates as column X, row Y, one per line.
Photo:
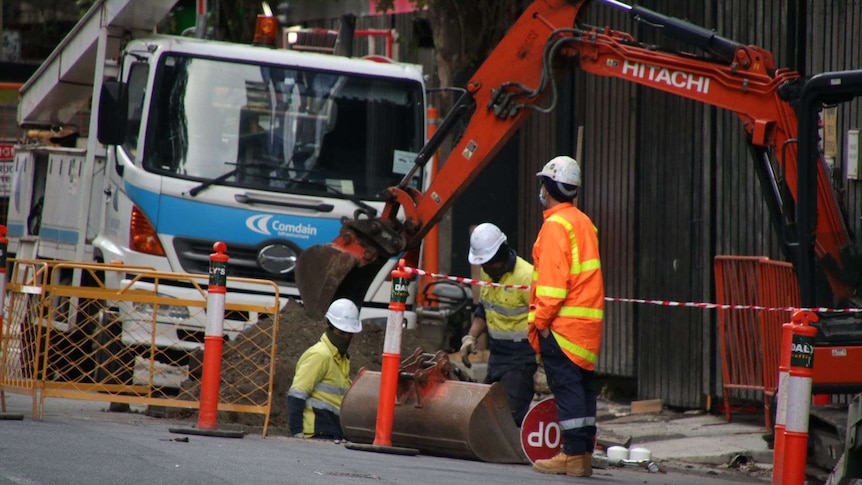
column 669, row 182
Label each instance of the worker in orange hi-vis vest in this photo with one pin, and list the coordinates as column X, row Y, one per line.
column 566, row 312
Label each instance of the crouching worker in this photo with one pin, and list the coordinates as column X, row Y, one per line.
column 322, row 377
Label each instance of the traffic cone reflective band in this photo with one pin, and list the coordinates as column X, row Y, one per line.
column 781, row 408
column 798, row 398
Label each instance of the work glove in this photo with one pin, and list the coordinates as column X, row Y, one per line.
column 468, row 346
column 540, row 382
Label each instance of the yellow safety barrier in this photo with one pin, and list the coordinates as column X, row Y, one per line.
column 128, row 343
column 19, row 346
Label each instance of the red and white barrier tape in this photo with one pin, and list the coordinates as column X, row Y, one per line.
column 469, row 281
column 719, row 306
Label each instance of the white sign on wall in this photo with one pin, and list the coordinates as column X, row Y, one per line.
column 852, row 154
column 7, row 155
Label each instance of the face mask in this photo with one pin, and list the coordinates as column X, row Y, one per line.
column 498, row 269
column 341, row 342
column 495, row 271
column 543, row 199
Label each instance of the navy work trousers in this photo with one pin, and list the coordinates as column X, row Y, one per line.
column 574, row 390
column 518, row 382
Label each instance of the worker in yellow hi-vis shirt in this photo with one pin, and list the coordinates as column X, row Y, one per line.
column 323, row 377
column 502, row 312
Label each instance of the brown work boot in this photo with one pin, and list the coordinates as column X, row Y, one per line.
column 588, row 465
column 572, row 465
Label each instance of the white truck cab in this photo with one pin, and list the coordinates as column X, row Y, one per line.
column 201, row 141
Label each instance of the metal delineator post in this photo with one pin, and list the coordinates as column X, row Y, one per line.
column 390, row 369
column 213, row 343
column 201, row 19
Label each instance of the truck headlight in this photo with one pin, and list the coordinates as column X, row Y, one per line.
column 167, row 311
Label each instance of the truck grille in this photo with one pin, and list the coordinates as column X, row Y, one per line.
column 194, row 256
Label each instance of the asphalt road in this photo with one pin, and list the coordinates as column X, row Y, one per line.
column 80, row 443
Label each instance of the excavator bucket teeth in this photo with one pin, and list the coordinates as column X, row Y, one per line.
column 455, row 419
column 320, row 272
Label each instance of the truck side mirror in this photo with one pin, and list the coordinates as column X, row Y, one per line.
column 112, row 113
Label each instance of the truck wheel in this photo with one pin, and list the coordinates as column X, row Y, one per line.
column 114, row 361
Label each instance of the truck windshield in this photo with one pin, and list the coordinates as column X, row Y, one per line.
column 288, row 130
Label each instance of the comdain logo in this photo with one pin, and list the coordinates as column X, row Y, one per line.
column 258, row 224
column 269, row 225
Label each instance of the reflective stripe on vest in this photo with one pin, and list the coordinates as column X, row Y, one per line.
column 558, row 293
column 509, row 312
column 579, row 311
column 577, row 266
column 329, row 388
column 566, row 311
column 318, row 404
column 513, row 335
column 575, row 349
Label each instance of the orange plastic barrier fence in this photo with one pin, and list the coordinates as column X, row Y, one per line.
column 750, row 339
column 778, row 289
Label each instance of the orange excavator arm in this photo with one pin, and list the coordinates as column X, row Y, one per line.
column 519, row 78
column 344, row 267
column 742, row 79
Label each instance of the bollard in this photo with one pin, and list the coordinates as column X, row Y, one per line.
column 798, row 397
column 213, row 343
column 781, row 404
column 390, row 369
column 214, row 338
column 391, row 357
column 4, row 243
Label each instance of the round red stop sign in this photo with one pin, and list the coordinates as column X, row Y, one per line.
column 540, row 431
column 7, row 151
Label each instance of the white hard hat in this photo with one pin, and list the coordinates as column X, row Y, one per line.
column 562, row 169
column 344, row 315
column 484, row 243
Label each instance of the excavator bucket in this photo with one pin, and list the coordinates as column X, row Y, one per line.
column 341, row 269
column 320, row 275
column 435, row 414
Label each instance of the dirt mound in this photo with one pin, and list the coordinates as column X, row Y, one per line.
column 296, row 332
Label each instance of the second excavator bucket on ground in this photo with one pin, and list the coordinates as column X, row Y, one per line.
column 435, row 414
